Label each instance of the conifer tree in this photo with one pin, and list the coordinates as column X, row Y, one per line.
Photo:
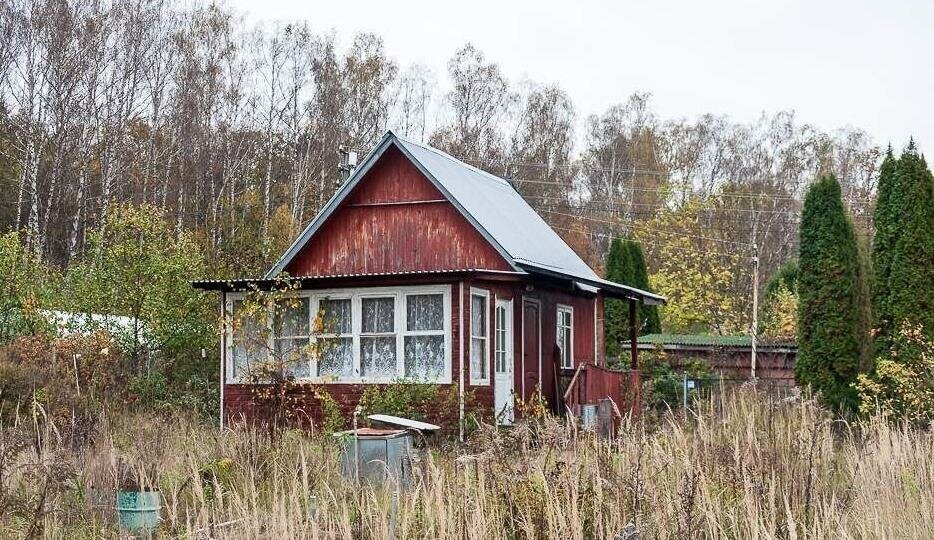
column 649, row 321
column 886, row 221
column 616, row 311
column 911, row 278
column 829, row 316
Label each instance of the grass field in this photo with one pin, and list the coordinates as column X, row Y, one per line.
column 740, row 466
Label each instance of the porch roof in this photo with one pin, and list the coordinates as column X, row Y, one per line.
column 265, row 284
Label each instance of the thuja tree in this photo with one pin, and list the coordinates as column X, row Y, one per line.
column 910, row 295
column 886, row 221
column 626, row 265
column 829, row 313
column 649, row 321
column 901, row 383
column 618, row 269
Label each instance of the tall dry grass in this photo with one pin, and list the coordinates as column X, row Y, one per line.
column 740, row 466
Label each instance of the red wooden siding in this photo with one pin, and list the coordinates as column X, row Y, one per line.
column 395, row 220
column 548, row 300
column 583, row 342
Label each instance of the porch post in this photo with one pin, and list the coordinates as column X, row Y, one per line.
column 223, row 355
column 460, row 359
column 633, row 335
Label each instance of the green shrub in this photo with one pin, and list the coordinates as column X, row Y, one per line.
column 404, row 398
column 901, row 385
column 663, row 385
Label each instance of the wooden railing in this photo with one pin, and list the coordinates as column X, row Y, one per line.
column 590, row 384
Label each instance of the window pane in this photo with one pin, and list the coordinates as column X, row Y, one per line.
column 335, row 315
column 293, row 354
column 335, row 357
column 378, row 356
column 240, row 362
column 564, row 343
column 248, row 341
column 378, row 314
column 424, row 312
column 424, row 357
column 477, row 315
column 292, row 317
column 478, row 364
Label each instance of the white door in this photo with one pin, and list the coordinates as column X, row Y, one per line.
column 503, row 382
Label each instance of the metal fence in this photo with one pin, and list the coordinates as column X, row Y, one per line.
column 692, row 390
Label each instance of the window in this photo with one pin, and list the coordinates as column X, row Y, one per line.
column 247, row 343
column 501, row 348
column 291, row 332
column 565, row 336
column 335, row 338
column 479, row 343
column 377, row 335
column 424, row 336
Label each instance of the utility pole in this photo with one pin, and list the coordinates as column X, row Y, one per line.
column 755, row 294
column 755, row 308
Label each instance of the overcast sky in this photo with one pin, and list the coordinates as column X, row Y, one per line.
column 860, row 63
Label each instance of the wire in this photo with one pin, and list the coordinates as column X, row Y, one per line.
column 642, row 241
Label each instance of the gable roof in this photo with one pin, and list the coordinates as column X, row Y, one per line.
column 491, row 205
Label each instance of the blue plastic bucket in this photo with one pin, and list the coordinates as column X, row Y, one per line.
column 139, row 511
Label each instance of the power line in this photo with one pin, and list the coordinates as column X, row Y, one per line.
column 638, row 226
column 642, row 241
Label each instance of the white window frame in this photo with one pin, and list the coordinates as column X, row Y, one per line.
column 562, row 308
column 275, row 339
column 356, row 295
column 506, row 352
column 357, row 321
column 315, row 308
column 233, row 297
column 474, row 379
column 445, row 329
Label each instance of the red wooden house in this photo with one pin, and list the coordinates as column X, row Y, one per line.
column 429, row 269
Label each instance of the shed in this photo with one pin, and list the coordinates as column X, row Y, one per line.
column 728, row 356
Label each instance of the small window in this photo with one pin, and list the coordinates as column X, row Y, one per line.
column 423, row 341
column 378, row 337
column 291, row 334
column 479, row 342
column 565, row 336
column 248, row 341
column 501, row 351
column 335, row 338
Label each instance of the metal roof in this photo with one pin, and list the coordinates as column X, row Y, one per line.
column 240, row 284
column 491, row 205
column 501, row 211
column 706, row 340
